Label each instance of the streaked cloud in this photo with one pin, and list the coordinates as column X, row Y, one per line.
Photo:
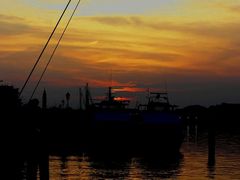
column 129, row 89
column 182, row 42
column 13, row 25
column 202, row 28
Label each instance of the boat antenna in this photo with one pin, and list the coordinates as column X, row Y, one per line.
column 50, row 37
column 148, row 96
column 88, row 97
column 57, row 45
column 111, row 77
column 166, row 87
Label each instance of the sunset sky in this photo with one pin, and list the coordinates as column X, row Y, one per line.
column 193, row 46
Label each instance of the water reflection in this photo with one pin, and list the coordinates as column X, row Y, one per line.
column 71, row 167
column 135, row 170
column 85, row 167
column 193, row 165
column 211, row 171
column 145, row 168
column 29, row 168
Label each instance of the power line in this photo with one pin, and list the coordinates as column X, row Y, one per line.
column 30, row 74
column 50, row 59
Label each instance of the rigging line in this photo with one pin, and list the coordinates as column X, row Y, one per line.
column 30, row 74
column 50, row 59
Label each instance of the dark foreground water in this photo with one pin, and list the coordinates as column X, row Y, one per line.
column 193, row 164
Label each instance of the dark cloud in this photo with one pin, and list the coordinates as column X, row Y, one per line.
column 235, row 8
column 118, row 20
column 13, row 25
column 128, row 53
column 11, row 18
column 231, row 8
column 194, row 28
column 9, row 28
column 112, row 20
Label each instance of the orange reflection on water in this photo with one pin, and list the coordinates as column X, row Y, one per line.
column 135, row 170
column 71, row 167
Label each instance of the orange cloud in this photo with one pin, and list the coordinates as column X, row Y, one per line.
column 122, row 99
column 141, row 49
column 130, row 89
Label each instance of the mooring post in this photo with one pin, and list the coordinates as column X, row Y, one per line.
column 196, row 133
column 211, row 144
column 188, row 133
column 44, row 166
column 43, row 158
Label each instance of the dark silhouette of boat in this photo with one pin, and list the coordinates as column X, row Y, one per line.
column 112, row 110
column 109, row 126
column 162, row 128
column 153, row 127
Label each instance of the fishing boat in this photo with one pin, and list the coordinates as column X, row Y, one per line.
column 153, row 127
column 162, row 128
column 112, row 110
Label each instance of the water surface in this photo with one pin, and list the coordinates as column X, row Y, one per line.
column 193, row 164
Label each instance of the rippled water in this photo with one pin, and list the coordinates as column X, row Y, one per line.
column 192, row 165
column 195, row 162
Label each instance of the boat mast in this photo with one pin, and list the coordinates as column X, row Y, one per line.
column 44, row 48
column 58, row 43
column 87, row 96
column 110, row 98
